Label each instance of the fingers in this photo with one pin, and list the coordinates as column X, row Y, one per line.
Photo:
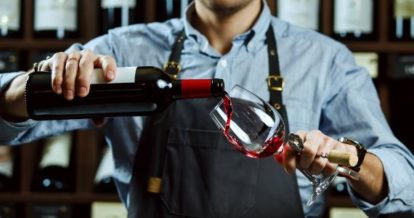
column 71, row 73
column 57, row 64
column 108, row 66
column 315, row 143
column 85, row 70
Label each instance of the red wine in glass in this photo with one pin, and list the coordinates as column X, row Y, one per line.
column 270, row 146
column 257, row 130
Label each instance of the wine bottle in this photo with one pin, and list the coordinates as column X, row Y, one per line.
column 10, row 19
column 404, row 19
column 7, row 182
column 183, row 7
column 135, row 91
column 368, row 60
column 117, row 13
column 103, row 178
column 168, row 9
column 54, row 173
column 304, row 13
column 354, row 19
column 56, row 19
column 9, row 61
column 54, row 210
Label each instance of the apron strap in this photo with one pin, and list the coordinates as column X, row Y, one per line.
column 275, row 81
column 146, row 200
column 173, row 67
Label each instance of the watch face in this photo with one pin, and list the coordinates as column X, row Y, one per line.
column 351, row 142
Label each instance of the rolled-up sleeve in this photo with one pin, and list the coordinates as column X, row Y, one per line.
column 398, row 168
column 22, row 132
column 353, row 110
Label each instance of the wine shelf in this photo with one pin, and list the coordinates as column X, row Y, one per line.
column 70, row 198
column 87, row 143
column 44, row 44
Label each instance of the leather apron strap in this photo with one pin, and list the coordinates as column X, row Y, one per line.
column 202, row 175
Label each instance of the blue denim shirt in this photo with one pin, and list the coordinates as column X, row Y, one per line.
column 324, row 89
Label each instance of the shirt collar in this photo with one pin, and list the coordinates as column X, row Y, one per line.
column 250, row 38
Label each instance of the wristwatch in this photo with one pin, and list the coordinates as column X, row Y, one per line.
column 361, row 151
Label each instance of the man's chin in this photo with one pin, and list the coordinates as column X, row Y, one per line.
column 225, row 6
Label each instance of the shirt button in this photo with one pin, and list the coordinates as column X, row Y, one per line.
column 223, row 63
column 250, row 46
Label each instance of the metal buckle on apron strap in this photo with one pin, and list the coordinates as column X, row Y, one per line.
column 154, row 185
column 172, row 68
column 275, row 83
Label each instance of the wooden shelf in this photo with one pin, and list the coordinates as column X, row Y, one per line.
column 87, row 143
column 382, row 47
column 339, row 201
column 71, row 198
column 38, row 44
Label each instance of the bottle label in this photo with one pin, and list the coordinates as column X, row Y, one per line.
column 353, row 16
column 10, row 14
column 369, row 60
column 108, row 209
column 106, row 166
column 404, row 8
column 117, row 3
column 404, row 67
column 56, row 151
column 304, row 13
column 123, row 75
column 55, row 14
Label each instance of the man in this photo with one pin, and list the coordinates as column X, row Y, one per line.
column 325, row 93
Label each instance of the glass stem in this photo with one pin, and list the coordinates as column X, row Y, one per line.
column 309, row 176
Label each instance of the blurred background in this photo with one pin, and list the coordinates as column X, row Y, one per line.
column 70, row 175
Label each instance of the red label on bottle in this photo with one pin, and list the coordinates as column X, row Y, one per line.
column 195, row 88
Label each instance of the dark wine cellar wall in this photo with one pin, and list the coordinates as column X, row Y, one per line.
column 19, row 49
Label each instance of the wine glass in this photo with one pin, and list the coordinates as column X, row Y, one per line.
column 257, row 130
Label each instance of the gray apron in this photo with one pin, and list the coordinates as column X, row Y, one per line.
column 202, row 175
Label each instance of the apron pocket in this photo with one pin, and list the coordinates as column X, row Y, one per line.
column 205, row 177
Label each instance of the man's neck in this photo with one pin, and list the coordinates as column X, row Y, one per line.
column 221, row 26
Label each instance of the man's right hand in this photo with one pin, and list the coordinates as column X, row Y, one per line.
column 71, row 75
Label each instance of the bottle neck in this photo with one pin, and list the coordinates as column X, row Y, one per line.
column 197, row 88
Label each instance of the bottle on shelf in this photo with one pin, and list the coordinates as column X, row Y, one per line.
column 9, row 61
column 116, row 13
column 403, row 19
column 55, row 19
column 101, row 209
column 54, row 173
column 10, row 19
column 354, row 19
column 104, row 182
column 8, row 182
column 135, row 91
column 10, row 210
column 171, row 9
column 183, row 6
column 52, row 211
column 304, row 13
column 368, row 60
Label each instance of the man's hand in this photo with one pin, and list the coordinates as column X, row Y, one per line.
column 315, row 144
column 71, row 75
column 371, row 186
